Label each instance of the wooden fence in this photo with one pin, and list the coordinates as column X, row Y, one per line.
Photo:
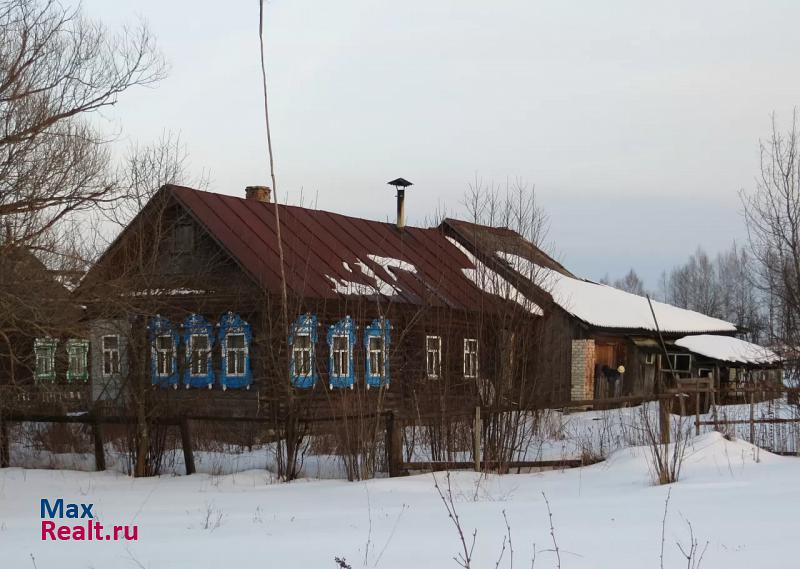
column 687, row 399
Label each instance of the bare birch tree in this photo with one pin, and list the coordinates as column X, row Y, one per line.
column 772, row 213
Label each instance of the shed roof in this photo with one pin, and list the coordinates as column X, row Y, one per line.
column 329, row 255
column 728, row 349
column 596, row 304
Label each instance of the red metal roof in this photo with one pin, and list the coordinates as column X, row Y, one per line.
column 319, row 246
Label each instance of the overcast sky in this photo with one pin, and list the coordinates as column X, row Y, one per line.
column 638, row 122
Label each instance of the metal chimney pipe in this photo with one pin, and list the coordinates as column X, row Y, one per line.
column 400, row 185
column 401, row 207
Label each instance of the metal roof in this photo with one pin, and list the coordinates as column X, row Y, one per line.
column 598, row 305
column 369, row 258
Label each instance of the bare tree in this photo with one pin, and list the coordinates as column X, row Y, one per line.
column 694, row 284
column 631, row 283
column 57, row 69
column 772, row 213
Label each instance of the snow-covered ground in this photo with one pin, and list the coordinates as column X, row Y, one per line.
column 742, row 500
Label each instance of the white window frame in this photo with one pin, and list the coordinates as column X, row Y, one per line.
column 471, row 357
column 160, row 351
column 344, row 366
column 205, row 354
column 244, row 350
column 298, row 353
column 377, row 356
column 433, row 357
column 114, row 364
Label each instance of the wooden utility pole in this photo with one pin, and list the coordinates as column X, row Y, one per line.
column 663, row 408
column 291, row 421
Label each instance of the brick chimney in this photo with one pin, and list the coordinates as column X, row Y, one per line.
column 258, row 193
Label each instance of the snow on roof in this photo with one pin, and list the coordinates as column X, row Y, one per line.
column 491, row 282
column 608, row 307
column 389, row 263
column 728, row 349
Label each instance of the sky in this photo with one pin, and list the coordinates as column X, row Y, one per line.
column 637, row 122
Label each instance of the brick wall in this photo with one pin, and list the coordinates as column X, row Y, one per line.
column 582, row 370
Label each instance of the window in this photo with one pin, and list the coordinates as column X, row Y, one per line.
column 236, row 355
column 303, row 340
column 680, row 362
column 301, row 352
column 198, row 337
column 470, row 357
column 110, row 355
column 376, row 356
column 433, row 356
column 199, row 350
column 184, row 238
column 77, row 356
column 45, row 350
column 341, row 367
column 340, row 352
column 650, row 359
column 165, row 353
column 377, row 338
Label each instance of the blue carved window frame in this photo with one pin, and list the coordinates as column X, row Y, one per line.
column 232, row 324
column 197, row 325
column 380, row 328
column 343, row 328
column 305, row 325
column 157, row 328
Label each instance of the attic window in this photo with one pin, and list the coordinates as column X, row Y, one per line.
column 184, row 238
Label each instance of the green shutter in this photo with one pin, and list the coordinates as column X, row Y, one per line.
column 45, row 351
column 77, row 360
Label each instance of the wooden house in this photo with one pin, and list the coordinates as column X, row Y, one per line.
column 43, row 354
column 189, row 302
column 602, row 341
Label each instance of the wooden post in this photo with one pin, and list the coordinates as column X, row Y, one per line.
column 697, row 413
column 99, row 452
column 664, row 403
column 752, row 417
column 476, row 439
column 186, row 441
column 394, row 445
column 5, row 446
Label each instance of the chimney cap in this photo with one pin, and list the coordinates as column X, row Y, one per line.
column 400, row 183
